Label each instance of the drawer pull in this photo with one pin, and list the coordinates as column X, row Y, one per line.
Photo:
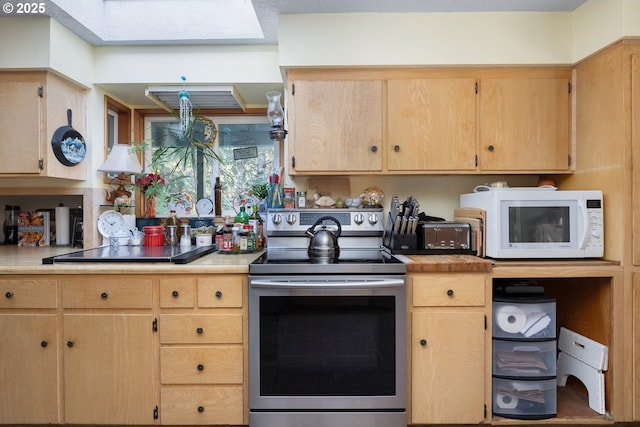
column 450, row 292
column 199, row 331
column 9, row 294
column 200, row 367
column 218, row 294
column 69, row 344
column 43, row 344
column 200, row 408
column 104, row 295
column 175, row 294
column 423, row 342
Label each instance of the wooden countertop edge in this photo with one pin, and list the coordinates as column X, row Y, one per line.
column 470, row 263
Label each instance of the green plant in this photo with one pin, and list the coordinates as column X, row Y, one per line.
column 260, row 190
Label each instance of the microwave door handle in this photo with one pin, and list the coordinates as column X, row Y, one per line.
column 585, row 224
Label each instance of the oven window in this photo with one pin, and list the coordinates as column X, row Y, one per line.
column 539, row 224
column 327, row 346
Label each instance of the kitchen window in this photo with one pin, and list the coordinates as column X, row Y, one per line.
column 248, row 157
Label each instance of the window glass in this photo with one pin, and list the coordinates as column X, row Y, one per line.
column 247, row 156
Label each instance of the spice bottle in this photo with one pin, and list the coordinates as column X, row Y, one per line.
column 173, row 219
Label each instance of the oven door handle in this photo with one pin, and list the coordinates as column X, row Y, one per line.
column 337, row 284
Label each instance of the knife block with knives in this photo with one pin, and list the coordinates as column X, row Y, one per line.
column 407, row 234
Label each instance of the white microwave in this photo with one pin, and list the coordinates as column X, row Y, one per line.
column 540, row 222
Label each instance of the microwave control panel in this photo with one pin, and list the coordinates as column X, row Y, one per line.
column 594, row 244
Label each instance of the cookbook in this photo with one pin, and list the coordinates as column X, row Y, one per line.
column 34, row 228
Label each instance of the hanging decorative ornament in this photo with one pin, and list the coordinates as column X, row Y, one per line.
column 185, row 110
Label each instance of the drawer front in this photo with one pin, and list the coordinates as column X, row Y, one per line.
column 449, row 289
column 208, row 405
column 221, row 291
column 177, row 292
column 107, row 292
column 201, row 365
column 28, row 293
column 201, row 329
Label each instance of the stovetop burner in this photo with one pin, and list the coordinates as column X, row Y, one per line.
column 349, row 262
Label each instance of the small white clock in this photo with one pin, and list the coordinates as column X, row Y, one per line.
column 204, row 207
column 109, row 222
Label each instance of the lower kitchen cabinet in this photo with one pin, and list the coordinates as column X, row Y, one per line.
column 202, row 350
column 28, row 351
column 108, row 355
column 28, row 369
column 448, row 348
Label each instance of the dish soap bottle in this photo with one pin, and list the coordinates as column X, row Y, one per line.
column 242, row 217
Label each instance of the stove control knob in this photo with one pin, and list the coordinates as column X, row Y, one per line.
column 373, row 219
column 276, row 219
column 358, row 218
column 291, row 219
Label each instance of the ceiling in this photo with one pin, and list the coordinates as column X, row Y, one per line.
column 225, row 22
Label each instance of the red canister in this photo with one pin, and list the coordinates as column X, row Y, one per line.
column 153, row 235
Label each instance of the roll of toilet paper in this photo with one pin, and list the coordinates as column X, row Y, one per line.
column 511, row 319
column 63, row 226
column 506, row 402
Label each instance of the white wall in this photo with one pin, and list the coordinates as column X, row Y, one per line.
column 425, row 39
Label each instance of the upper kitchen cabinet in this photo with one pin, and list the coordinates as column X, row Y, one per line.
column 430, row 120
column 525, row 123
column 33, row 105
column 431, row 124
column 335, row 125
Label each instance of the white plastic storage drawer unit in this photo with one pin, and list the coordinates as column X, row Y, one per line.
column 524, row 399
column 530, row 317
column 524, row 358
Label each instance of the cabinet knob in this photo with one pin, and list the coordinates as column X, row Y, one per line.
column 175, row 294
column 396, row 148
column 423, row 342
column 43, row 344
column 200, row 367
column 9, row 294
column 491, row 148
column 69, row 344
column 104, row 295
column 200, row 408
column 218, row 294
column 374, row 148
column 199, row 331
column 450, row 292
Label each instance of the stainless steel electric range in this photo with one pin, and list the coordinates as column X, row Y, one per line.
column 327, row 339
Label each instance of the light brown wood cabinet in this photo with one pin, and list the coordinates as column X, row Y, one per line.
column 108, row 352
column 524, row 124
column 448, row 348
column 33, row 105
column 202, row 361
column 28, row 351
column 417, row 121
column 335, row 126
column 432, row 124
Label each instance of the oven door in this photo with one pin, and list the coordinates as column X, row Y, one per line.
column 327, row 343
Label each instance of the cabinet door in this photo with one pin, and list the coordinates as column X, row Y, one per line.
column 524, row 124
column 447, row 375
column 108, row 369
column 28, row 369
column 335, row 126
column 431, row 125
column 22, row 124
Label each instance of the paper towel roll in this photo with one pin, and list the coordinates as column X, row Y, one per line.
column 511, row 319
column 506, row 402
column 63, row 226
